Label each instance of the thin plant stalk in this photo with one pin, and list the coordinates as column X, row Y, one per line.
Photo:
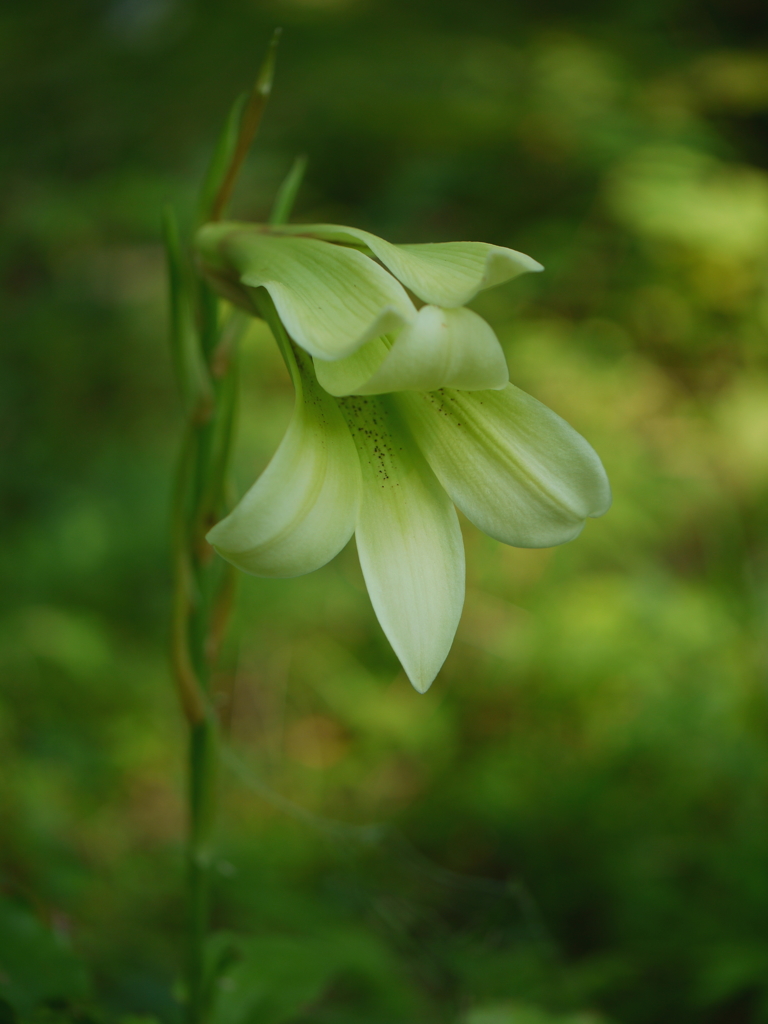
column 204, row 347
column 202, row 584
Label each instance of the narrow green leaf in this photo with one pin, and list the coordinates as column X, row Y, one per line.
column 221, row 159
column 249, row 122
column 224, row 371
column 189, row 364
column 286, row 194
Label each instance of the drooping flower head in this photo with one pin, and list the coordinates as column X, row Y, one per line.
column 402, row 415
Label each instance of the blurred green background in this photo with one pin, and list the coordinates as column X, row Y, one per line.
column 574, row 820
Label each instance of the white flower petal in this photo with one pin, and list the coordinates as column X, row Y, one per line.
column 409, row 541
column 331, row 299
column 347, row 376
column 441, row 348
column 441, row 273
column 302, row 509
column 515, row 468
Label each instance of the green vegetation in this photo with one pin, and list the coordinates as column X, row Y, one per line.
column 571, row 826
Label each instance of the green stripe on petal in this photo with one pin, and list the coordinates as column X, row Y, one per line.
column 515, row 468
column 331, row 299
column 440, row 273
column 409, row 541
column 302, row 509
column 441, row 348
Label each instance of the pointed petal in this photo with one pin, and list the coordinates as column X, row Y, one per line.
column 441, row 348
column 441, row 273
column 409, row 541
column 515, row 468
column 302, row 509
column 331, row 299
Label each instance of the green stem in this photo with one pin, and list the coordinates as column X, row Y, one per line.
column 202, row 598
column 205, row 359
column 204, row 587
column 201, row 796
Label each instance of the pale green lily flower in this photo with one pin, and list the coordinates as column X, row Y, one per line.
column 333, row 297
column 405, row 415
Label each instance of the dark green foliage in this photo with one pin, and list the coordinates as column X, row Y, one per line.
column 575, row 818
column 41, row 978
